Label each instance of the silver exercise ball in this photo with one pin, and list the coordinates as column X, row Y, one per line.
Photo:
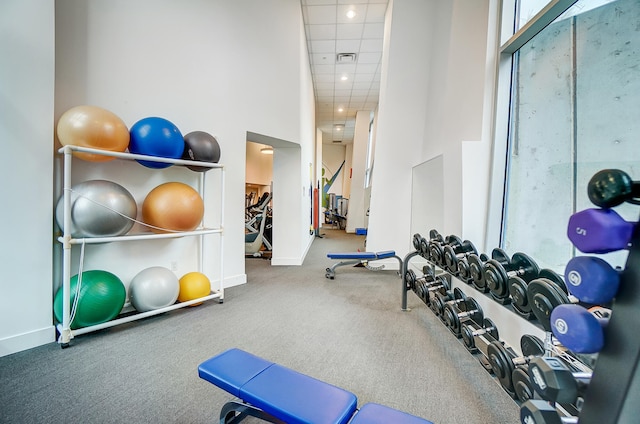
column 154, row 288
column 99, row 208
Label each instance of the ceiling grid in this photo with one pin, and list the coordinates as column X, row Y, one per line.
column 344, row 87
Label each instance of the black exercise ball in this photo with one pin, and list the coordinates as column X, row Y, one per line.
column 200, row 146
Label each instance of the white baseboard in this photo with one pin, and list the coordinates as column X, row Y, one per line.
column 20, row 342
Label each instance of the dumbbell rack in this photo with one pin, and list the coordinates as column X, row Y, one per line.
column 614, row 392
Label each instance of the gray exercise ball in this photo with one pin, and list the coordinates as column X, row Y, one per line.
column 154, row 288
column 99, row 208
column 200, row 146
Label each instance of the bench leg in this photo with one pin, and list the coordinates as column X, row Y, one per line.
column 234, row 412
column 331, row 272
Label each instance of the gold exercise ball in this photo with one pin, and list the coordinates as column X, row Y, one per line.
column 94, row 127
column 173, row 206
column 194, row 285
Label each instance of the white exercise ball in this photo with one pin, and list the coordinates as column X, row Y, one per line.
column 154, row 288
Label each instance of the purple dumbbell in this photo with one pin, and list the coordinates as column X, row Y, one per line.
column 599, row 231
column 578, row 328
column 592, row 280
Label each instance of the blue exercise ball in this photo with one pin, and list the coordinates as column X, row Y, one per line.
column 155, row 136
column 202, row 147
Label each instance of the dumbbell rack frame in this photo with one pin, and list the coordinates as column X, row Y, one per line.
column 614, row 390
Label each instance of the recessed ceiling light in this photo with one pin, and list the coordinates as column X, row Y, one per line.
column 340, row 109
column 351, row 14
column 339, row 127
column 267, row 150
column 344, row 78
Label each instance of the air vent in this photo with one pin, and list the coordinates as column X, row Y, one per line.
column 337, row 141
column 346, row 58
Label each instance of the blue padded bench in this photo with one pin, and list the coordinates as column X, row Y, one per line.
column 359, row 259
column 277, row 394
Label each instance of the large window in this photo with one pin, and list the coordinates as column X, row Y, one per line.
column 574, row 110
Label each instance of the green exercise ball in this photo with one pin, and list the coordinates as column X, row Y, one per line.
column 101, row 298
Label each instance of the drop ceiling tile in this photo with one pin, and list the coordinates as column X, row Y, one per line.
column 368, row 58
column 367, row 68
column 375, row 30
column 321, row 14
column 323, row 69
column 347, row 46
column 321, row 59
column 325, row 78
column 322, row 32
column 371, row 45
column 342, row 68
column 319, row 2
column 349, row 31
column 359, row 9
column 376, row 12
column 323, row 46
column 364, row 78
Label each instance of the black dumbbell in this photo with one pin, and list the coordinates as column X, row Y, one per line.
column 431, row 283
column 476, row 267
column 504, row 361
column 453, row 252
column 417, row 241
column 519, row 293
column 437, row 246
column 611, row 187
column 433, row 247
column 471, row 331
column 455, row 314
column 522, row 386
column 544, row 294
column 497, row 274
column 464, row 273
column 555, row 382
column 536, row 411
column 411, row 279
column 438, row 300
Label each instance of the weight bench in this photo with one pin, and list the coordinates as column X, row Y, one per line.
column 359, row 258
column 279, row 395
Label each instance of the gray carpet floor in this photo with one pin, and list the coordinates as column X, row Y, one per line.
column 350, row 332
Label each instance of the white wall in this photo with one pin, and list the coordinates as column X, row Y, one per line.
column 26, row 122
column 357, row 207
column 204, row 65
column 431, row 101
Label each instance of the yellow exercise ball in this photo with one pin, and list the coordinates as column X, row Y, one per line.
column 94, row 127
column 172, row 206
column 194, row 285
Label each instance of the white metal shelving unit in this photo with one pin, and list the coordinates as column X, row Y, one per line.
column 67, row 241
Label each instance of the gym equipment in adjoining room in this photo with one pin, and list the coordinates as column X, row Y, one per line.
column 592, row 280
column 599, row 231
column 153, row 288
column 172, row 206
column 202, row 147
column 154, row 136
column 360, row 258
column 612, row 187
column 92, row 127
column 99, row 208
column 578, row 328
column 100, row 298
column 498, row 273
column 276, row 394
column 194, row 285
